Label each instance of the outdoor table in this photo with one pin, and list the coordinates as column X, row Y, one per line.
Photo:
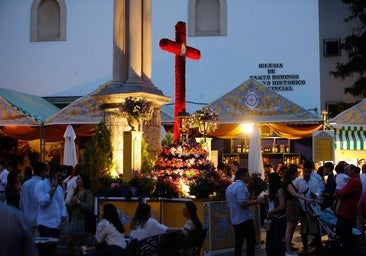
column 47, row 246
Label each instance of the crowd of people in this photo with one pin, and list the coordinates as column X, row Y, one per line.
column 56, row 202
column 56, row 199
column 292, row 191
column 39, row 195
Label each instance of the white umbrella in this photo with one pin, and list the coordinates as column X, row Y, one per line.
column 255, row 159
column 69, row 148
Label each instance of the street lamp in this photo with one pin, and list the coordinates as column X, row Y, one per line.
column 206, row 125
column 183, row 118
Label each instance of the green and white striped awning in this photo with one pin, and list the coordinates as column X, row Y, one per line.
column 350, row 138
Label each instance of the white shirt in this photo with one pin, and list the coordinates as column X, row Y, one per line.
column 70, row 184
column 189, row 225
column 3, row 179
column 310, row 185
column 50, row 210
column 341, row 180
column 106, row 232
column 319, row 179
column 28, row 202
column 237, row 193
column 152, row 227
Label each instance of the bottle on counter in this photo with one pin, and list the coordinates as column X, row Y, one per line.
column 287, row 149
column 239, row 148
column 246, row 149
column 282, row 148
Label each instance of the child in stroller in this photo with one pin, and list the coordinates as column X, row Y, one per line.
column 328, row 224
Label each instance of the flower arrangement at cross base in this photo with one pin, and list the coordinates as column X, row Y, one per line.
column 136, row 110
column 183, row 170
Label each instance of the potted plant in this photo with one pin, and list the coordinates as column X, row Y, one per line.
column 136, row 110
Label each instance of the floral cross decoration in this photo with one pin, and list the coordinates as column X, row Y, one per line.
column 138, row 108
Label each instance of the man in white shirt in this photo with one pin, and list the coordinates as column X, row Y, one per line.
column 3, row 180
column 317, row 177
column 238, row 202
column 309, row 187
column 51, row 210
column 28, row 203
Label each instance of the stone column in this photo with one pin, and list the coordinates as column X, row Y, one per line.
column 131, row 75
column 116, row 124
column 132, row 154
column 152, row 133
column 146, row 41
column 119, row 42
column 135, row 42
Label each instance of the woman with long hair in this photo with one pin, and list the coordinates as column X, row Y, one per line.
column 276, row 213
column 190, row 213
column 109, row 234
column 191, row 230
column 143, row 225
column 81, row 205
column 292, row 206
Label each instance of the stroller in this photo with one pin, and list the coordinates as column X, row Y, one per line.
column 326, row 218
column 328, row 225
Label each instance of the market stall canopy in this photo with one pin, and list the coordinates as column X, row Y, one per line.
column 23, row 114
column 350, row 128
column 84, row 110
column 355, row 116
column 252, row 102
column 21, row 109
column 84, row 113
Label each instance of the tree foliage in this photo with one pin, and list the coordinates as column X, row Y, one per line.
column 98, row 155
column 147, row 164
column 355, row 46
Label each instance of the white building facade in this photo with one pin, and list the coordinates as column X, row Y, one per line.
column 64, row 47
